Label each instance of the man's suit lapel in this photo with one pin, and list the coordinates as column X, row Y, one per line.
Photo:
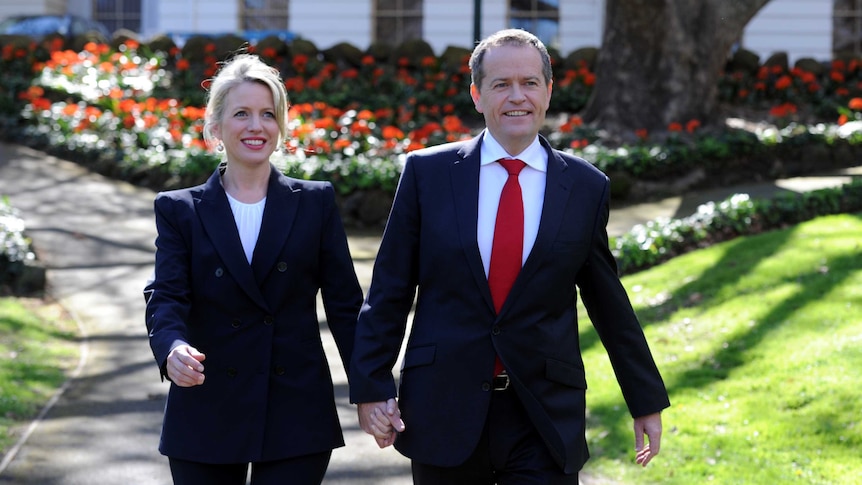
column 558, row 188
column 217, row 219
column 464, row 172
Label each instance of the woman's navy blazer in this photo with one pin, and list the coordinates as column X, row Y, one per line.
column 268, row 392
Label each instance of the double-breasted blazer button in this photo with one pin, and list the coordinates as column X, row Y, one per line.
column 231, row 372
column 486, row 386
column 495, row 330
column 282, row 267
column 219, row 272
column 279, row 370
column 267, row 320
column 235, row 323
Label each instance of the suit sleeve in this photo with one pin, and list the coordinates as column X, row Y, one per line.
column 168, row 294
column 383, row 319
column 617, row 325
column 340, row 289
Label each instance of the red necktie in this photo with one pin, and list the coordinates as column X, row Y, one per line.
column 508, row 245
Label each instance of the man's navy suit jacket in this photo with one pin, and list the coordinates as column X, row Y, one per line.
column 429, row 251
column 268, row 393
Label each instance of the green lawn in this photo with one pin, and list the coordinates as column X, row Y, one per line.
column 759, row 340
column 38, row 350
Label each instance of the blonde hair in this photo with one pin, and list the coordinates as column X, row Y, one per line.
column 239, row 69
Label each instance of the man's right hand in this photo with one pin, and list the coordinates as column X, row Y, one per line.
column 381, row 420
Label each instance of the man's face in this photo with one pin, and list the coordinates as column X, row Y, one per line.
column 513, row 96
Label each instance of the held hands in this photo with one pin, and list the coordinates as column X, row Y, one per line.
column 651, row 426
column 381, row 420
column 184, row 366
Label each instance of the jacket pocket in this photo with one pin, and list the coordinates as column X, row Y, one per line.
column 419, row 356
column 565, row 373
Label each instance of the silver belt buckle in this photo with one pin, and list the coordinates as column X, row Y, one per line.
column 498, row 386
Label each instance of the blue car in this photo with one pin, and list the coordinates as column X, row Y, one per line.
column 38, row 26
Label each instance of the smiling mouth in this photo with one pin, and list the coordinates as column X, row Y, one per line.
column 254, row 143
column 514, row 114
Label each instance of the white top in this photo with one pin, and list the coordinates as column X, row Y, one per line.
column 248, row 218
column 492, row 177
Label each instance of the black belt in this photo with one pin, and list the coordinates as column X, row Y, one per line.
column 501, row 382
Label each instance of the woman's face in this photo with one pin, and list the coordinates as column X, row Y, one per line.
column 248, row 129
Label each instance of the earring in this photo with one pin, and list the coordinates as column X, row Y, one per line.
column 220, row 147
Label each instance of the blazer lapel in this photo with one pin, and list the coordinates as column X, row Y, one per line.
column 216, row 216
column 278, row 216
column 558, row 189
column 464, row 173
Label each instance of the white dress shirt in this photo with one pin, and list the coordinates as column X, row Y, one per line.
column 248, row 219
column 492, row 177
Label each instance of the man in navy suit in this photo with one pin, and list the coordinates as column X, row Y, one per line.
column 492, row 387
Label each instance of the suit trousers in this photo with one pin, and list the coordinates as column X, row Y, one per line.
column 307, row 469
column 510, row 452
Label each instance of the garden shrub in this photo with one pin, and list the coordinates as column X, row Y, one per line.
column 18, row 273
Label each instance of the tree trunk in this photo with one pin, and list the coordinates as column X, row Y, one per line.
column 661, row 60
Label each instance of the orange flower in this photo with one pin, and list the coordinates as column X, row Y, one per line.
column 41, row 104
column 855, row 104
column 392, row 132
column 183, row 65
column 641, row 133
column 414, row 145
column 692, row 125
column 842, row 119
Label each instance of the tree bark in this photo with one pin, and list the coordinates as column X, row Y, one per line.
column 661, row 60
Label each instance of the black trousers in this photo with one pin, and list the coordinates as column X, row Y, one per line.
column 301, row 470
column 510, row 452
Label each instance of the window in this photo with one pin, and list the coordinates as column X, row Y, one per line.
column 398, row 20
column 119, row 14
column 540, row 17
column 847, row 27
column 264, row 14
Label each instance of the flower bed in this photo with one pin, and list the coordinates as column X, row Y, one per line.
column 134, row 111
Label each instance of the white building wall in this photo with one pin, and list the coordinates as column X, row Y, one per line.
column 329, row 22
column 801, row 28
column 581, row 24
column 448, row 23
column 201, row 16
column 9, row 8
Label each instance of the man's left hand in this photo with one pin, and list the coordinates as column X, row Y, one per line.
column 651, row 426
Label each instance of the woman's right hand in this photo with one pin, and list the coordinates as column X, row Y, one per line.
column 184, row 366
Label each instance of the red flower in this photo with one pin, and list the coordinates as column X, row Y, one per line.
column 674, row 127
column 783, row 82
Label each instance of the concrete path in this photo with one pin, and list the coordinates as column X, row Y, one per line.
column 95, row 237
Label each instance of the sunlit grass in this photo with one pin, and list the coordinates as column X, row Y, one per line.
column 759, row 341
column 38, row 349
